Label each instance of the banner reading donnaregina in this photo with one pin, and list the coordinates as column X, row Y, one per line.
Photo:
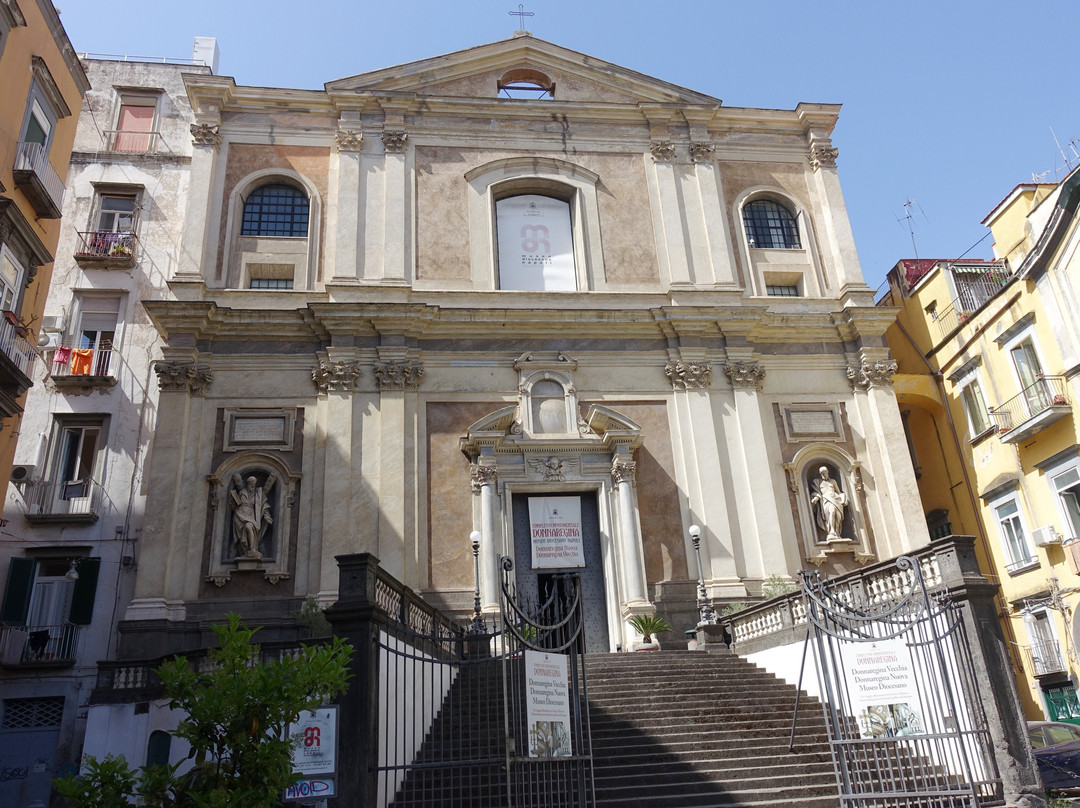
column 555, row 530
column 547, row 704
column 881, row 681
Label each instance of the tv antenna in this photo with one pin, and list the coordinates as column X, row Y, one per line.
column 911, row 210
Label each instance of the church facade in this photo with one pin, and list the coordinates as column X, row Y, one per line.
column 518, row 294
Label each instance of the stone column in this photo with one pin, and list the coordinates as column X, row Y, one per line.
column 346, row 229
column 195, row 255
column 716, row 248
column 485, row 479
column 669, row 218
column 396, row 228
column 838, row 242
column 624, row 472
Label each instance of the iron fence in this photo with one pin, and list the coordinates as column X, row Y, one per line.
column 118, row 249
column 43, row 499
column 132, row 141
column 71, row 361
column 32, row 645
column 16, row 346
column 1044, row 658
column 1047, row 392
column 33, row 158
column 974, row 290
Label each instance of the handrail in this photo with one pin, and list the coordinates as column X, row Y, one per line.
column 1046, row 392
column 105, row 245
column 31, row 156
column 974, row 292
column 16, row 347
column 132, row 140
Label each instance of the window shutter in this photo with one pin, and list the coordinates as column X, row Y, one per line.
column 82, row 599
column 20, row 582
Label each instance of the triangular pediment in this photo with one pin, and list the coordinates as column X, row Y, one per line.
column 475, row 72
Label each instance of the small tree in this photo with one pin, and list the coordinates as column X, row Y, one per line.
column 236, row 714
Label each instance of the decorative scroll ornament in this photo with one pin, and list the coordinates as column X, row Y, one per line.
column 219, row 579
column 689, row 375
column 623, row 470
column 872, row 374
column 702, row 152
column 349, row 140
column 340, row 376
column 185, row 377
column 399, row 374
column 745, row 374
column 394, row 141
column 483, row 475
column 823, row 156
column 205, row 134
column 663, row 151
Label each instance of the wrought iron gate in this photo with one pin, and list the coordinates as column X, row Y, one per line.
column 453, row 727
column 905, row 722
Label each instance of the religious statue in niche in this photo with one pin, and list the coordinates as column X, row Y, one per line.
column 829, row 503
column 251, row 517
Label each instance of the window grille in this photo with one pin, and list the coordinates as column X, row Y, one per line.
column 32, row 713
column 271, row 283
column 769, row 225
column 782, row 291
column 276, row 210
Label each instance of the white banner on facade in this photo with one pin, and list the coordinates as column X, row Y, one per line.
column 536, row 247
column 884, row 695
column 316, row 750
column 555, row 530
column 548, row 704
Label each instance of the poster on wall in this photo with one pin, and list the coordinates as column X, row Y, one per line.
column 536, row 248
column 555, row 531
column 884, row 695
column 548, row 704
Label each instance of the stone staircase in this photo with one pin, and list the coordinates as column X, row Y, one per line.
column 697, row 730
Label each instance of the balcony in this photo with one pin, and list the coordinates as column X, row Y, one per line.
column 75, row 502
column 16, row 364
column 105, row 250
column 83, row 367
column 39, row 646
column 1035, row 408
column 975, row 287
column 1044, row 658
column 132, row 141
column 38, row 180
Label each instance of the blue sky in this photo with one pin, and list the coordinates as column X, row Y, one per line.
column 949, row 103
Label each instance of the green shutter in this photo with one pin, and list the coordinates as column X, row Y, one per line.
column 20, row 582
column 82, row 599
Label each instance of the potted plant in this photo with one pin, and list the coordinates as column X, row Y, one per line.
column 647, row 625
column 120, row 250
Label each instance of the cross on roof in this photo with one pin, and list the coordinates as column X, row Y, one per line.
column 521, row 14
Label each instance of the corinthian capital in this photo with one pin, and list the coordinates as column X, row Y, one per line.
column 871, row 374
column 745, row 374
column 205, row 134
column 394, row 141
column 349, row 140
column 663, row 151
column 483, row 475
column 623, row 470
column 185, row 377
column 398, row 374
column 689, row 375
column 823, row 156
column 340, row 376
column 702, row 152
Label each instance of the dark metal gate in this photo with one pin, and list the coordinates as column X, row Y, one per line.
column 906, row 725
column 454, row 724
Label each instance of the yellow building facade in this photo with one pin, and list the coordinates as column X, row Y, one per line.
column 42, row 83
column 989, row 360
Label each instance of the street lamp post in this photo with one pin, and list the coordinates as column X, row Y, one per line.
column 706, row 615
column 477, row 626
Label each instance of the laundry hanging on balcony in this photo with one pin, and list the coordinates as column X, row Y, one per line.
column 62, row 356
column 82, row 360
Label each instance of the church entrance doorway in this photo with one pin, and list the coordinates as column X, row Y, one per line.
column 534, row 583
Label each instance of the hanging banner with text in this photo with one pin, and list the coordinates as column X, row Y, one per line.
column 884, row 695
column 555, row 529
column 315, row 753
column 548, row 704
column 536, row 247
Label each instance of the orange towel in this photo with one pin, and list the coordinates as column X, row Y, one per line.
column 82, row 359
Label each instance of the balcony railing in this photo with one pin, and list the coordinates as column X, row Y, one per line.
column 1044, row 658
column 39, row 645
column 1036, row 407
column 102, row 248
column 125, row 140
column 16, row 347
column 34, row 174
column 1029, row 561
column 974, row 289
column 83, row 365
column 77, row 501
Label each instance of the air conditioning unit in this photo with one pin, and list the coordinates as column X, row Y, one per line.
column 52, row 322
column 24, row 473
column 48, row 340
column 1046, row 536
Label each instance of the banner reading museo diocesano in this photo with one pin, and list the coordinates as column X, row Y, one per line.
column 555, row 529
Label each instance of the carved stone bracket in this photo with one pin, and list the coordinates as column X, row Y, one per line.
column 483, row 475
column 689, row 375
column 185, row 377
column 702, row 152
column 823, row 156
column 394, row 141
column 624, row 470
column 275, row 576
column 340, row 376
column 745, row 374
column 793, row 477
column 871, row 374
column 663, row 151
column 398, row 374
column 349, row 140
column 205, row 134
column 219, row 580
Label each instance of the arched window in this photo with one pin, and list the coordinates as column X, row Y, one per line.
column 549, row 407
column 275, row 210
column 536, row 244
column 158, row 748
column 770, row 225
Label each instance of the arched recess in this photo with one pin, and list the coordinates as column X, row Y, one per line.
column 597, row 458
column 272, row 560
column 547, row 177
column 779, row 267
column 247, row 256
column 804, row 476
